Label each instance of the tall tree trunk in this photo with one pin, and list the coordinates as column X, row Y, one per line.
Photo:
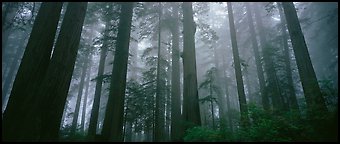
column 83, row 116
column 212, row 106
column 314, row 98
column 175, row 81
column 79, row 97
column 98, row 90
column 221, row 99
column 113, row 122
column 159, row 111
column 32, row 69
column 128, row 131
column 230, row 123
column 265, row 100
column 56, row 83
column 247, row 77
column 191, row 112
column 291, row 92
column 168, row 102
column 240, row 89
column 273, row 86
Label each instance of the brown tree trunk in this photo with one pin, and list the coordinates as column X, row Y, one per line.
column 273, row 86
column 159, row 111
column 291, row 92
column 314, row 98
column 79, row 97
column 113, row 122
column 32, row 69
column 240, row 89
column 175, row 81
column 98, row 90
column 55, row 85
column 83, row 116
column 191, row 112
column 229, row 114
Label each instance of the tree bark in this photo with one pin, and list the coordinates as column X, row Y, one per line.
column 98, row 90
column 79, row 97
column 314, row 98
column 56, row 83
column 113, row 122
column 240, row 89
column 159, row 111
column 291, row 92
column 191, row 112
column 265, row 101
column 273, row 86
column 32, row 69
column 230, row 123
column 175, row 81
column 83, row 116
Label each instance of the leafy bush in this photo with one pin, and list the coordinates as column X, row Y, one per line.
column 202, row 134
column 272, row 127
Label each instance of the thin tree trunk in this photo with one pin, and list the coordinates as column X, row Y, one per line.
column 98, row 90
column 265, row 100
column 32, row 69
column 83, row 116
column 159, row 117
column 175, row 81
column 230, row 122
column 79, row 97
column 240, row 89
column 212, row 107
column 273, row 86
column 168, row 106
column 113, row 122
column 221, row 99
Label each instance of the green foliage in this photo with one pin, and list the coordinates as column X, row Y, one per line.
column 202, row 134
column 272, row 127
column 330, row 93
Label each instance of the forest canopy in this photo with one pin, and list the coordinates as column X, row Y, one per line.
column 170, row 71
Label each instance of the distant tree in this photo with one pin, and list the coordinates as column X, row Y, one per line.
column 160, row 93
column 87, row 84
column 80, row 94
column 175, row 78
column 210, row 84
column 272, row 88
column 240, row 87
column 265, row 101
column 100, row 75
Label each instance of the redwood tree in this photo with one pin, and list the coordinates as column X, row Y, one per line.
column 56, row 82
column 311, row 89
column 113, row 122
column 238, row 72
column 31, row 71
column 191, row 112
